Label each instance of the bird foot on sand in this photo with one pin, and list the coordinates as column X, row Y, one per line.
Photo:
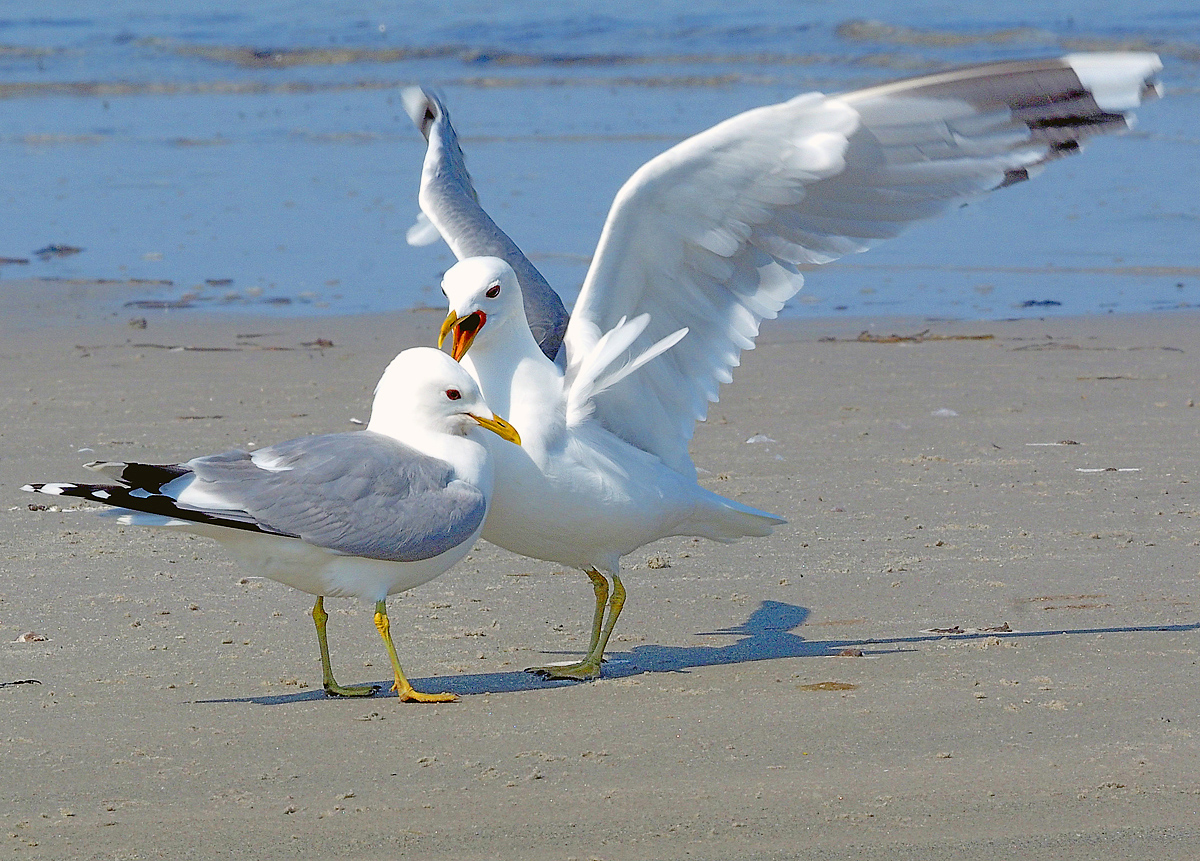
column 408, row 695
column 336, row 690
column 584, row 671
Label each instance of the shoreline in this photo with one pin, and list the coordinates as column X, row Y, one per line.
column 36, row 303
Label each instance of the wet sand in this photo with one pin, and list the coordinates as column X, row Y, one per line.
column 976, row 636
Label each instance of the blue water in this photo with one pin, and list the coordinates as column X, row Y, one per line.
column 255, row 156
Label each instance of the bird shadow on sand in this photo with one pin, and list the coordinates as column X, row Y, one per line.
column 766, row 635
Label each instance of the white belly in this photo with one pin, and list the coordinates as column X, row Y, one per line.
column 318, row 571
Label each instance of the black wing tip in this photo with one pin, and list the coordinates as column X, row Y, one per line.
column 150, row 502
column 148, row 476
column 96, row 492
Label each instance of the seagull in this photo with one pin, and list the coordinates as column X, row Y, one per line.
column 710, row 237
column 364, row 514
column 575, row 492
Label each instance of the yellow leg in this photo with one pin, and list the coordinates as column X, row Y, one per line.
column 332, row 688
column 402, row 688
column 589, row 667
column 600, row 587
column 615, row 605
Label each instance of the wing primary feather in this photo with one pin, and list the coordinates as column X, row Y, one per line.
column 710, row 234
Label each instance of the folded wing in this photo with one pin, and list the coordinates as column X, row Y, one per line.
column 359, row 494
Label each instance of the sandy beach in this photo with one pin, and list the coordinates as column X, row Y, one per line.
column 976, row 637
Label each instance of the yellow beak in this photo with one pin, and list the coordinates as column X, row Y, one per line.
column 500, row 428
column 447, row 325
column 464, row 328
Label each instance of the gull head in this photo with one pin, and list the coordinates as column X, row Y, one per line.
column 481, row 291
column 423, row 390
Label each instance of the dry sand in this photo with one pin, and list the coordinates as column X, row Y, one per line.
column 1042, row 478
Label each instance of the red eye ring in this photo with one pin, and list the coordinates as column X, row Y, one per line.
column 493, row 291
column 453, row 394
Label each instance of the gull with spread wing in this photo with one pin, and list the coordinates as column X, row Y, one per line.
column 710, row 236
column 364, row 514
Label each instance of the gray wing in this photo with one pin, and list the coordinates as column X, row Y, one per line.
column 448, row 199
column 361, row 493
column 710, row 235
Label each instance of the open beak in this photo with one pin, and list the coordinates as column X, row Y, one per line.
column 464, row 328
column 500, row 428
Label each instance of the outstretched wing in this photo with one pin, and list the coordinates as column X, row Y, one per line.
column 710, row 234
column 448, row 200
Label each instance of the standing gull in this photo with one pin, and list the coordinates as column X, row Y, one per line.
column 364, row 514
column 710, row 237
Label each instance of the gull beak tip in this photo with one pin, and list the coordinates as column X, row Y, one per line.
column 500, row 428
column 447, row 326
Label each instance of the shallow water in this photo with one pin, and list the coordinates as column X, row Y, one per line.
column 255, row 155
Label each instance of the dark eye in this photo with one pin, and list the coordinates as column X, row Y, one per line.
column 453, row 394
column 493, row 291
